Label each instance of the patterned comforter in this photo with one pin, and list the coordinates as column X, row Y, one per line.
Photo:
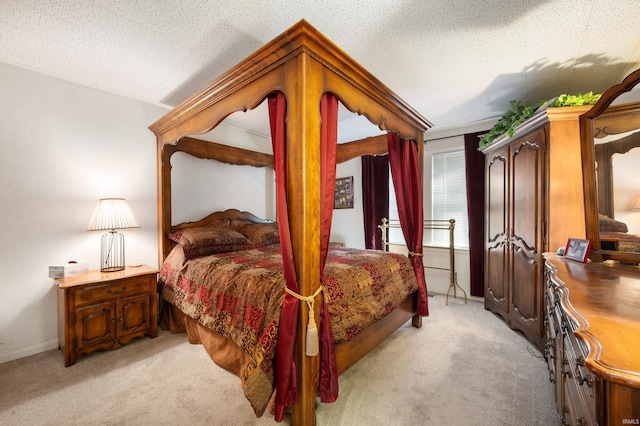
column 239, row 295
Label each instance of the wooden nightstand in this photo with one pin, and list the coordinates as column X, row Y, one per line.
column 105, row 310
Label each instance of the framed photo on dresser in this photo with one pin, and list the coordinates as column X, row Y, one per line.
column 577, row 249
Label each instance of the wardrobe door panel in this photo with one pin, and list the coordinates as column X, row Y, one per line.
column 527, row 179
column 526, row 183
column 496, row 287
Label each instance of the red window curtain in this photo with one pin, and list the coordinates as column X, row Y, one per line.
column 375, row 197
column 474, row 160
column 405, row 172
column 286, row 393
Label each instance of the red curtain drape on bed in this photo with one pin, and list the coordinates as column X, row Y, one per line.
column 286, row 393
column 405, row 172
column 328, row 148
column 375, row 197
column 285, row 367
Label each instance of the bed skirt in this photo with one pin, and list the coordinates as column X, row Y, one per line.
column 224, row 352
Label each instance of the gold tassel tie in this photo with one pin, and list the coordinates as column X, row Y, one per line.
column 415, row 254
column 312, row 344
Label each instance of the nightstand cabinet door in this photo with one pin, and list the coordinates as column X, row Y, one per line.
column 96, row 326
column 134, row 317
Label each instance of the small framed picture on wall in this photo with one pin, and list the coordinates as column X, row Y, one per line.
column 343, row 196
column 577, row 249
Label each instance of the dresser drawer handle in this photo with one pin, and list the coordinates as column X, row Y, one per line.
column 583, row 380
column 567, row 372
column 124, row 288
column 563, row 418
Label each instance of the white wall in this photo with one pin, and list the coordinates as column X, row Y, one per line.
column 222, row 186
column 62, row 147
column 347, row 225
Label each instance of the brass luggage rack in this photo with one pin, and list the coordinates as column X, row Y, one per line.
column 442, row 224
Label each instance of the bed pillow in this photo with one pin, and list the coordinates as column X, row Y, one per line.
column 262, row 234
column 612, row 225
column 206, row 240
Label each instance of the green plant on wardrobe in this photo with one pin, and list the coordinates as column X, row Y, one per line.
column 519, row 113
column 576, row 100
column 512, row 118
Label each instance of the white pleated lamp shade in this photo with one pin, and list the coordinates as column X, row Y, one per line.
column 112, row 213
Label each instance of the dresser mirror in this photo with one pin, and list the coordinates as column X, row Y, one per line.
column 610, row 133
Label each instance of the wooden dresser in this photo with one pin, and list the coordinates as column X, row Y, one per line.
column 592, row 317
column 105, row 310
column 533, row 179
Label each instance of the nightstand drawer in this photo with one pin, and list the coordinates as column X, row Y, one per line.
column 116, row 290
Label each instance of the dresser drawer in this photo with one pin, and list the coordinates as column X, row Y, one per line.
column 129, row 287
column 574, row 412
column 581, row 374
column 580, row 384
column 556, row 318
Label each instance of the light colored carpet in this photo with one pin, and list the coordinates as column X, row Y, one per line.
column 464, row 366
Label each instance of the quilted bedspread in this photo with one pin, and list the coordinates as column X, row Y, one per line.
column 239, row 295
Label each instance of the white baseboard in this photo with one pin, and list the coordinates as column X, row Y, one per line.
column 28, row 351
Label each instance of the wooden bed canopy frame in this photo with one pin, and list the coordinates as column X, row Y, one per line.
column 303, row 64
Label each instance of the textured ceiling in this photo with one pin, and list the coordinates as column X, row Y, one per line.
column 457, row 62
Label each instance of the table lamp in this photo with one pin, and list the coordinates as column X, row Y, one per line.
column 112, row 214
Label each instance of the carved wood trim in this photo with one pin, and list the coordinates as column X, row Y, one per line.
column 224, row 153
column 375, row 145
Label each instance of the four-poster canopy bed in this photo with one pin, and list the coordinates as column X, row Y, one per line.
column 303, row 75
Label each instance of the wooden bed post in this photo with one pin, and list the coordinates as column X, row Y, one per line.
column 303, row 199
column 164, row 200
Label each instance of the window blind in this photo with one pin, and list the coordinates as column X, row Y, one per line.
column 449, row 199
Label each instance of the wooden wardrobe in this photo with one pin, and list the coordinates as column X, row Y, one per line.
column 534, row 203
